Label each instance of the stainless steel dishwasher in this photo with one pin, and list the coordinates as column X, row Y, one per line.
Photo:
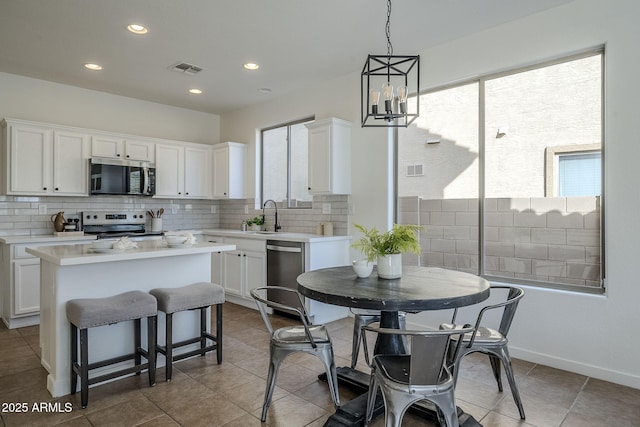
column 285, row 262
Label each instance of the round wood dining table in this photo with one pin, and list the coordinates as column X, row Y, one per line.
column 419, row 289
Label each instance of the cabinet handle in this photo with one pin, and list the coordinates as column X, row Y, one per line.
column 179, row 192
column 118, row 155
column 308, row 188
column 56, row 189
column 44, row 188
column 128, row 156
column 238, row 254
column 187, row 193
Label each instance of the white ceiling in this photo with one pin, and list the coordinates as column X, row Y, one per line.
column 296, row 42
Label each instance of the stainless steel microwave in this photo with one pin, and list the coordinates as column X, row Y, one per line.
column 125, row 177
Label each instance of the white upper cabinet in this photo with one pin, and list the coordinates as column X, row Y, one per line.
column 183, row 171
column 228, row 170
column 121, row 148
column 70, row 165
column 197, row 172
column 44, row 161
column 329, row 156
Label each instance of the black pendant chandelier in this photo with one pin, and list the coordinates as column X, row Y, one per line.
column 389, row 78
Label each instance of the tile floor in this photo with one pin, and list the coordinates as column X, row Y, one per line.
column 203, row 393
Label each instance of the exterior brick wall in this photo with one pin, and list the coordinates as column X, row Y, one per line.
column 547, row 239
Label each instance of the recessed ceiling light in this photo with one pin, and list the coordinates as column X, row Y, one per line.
column 251, row 66
column 195, row 91
column 137, row 29
column 93, row 67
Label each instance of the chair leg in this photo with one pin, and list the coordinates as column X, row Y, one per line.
column 84, row 368
column 274, row 366
column 332, row 377
column 219, row 333
column 355, row 341
column 495, row 367
column 445, row 403
column 74, row 357
column 203, row 330
column 508, row 369
column 152, row 323
column 169, row 346
column 371, row 397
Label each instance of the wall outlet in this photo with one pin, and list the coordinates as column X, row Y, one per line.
column 326, row 208
column 246, row 209
column 42, row 209
column 174, row 209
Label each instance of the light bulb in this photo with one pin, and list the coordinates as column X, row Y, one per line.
column 374, row 98
column 387, row 91
column 402, row 99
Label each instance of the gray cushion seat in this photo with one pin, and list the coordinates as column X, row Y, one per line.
column 92, row 312
column 202, row 294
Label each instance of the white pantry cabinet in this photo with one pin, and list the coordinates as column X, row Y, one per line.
column 329, row 156
column 41, row 160
column 228, row 170
column 115, row 147
column 183, row 171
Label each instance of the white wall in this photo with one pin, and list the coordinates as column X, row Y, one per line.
column 588, row 334
column 44, row 101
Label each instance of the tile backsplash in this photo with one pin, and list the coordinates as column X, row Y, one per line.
column 22, row 216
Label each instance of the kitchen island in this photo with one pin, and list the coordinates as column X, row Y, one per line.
column 78, row 271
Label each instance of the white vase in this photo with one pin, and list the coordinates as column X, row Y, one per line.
column 390, row 266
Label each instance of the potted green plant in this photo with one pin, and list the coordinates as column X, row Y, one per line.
column 387, row 248
column 255, row 223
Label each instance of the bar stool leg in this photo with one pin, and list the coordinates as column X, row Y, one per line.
column 203, row 330
column 84, row 368
column 74, row 357
column 219, row 332
column 152, row 322
column 169, row 346
column 137, row 325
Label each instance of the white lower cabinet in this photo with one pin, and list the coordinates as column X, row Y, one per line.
column 20, row 283
column 241, row 270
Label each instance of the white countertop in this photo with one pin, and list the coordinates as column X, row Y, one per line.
column 83, row 254
column 269, row 235
column 9, row 240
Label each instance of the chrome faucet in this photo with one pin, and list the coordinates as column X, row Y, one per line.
column 276, row 226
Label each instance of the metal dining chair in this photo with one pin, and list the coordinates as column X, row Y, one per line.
column 405, row 379
column 491, row 341
column 363, row 318
column 312, row 339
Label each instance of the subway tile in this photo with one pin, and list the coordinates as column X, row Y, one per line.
column 408, row 204
column 442, row 245
column 548, row 268
column 467, row 247
column 466, row 218
column 456, row 233
column 498, row 219
column 583, row 237
column 430, row 205
column 515, row 234
column 499, row 249
column 443, row 218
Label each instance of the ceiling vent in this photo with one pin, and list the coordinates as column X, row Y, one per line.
column 183, row 67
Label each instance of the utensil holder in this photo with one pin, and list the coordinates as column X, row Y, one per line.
column 156, row 224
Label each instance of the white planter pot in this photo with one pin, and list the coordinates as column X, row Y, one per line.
column 390, row 266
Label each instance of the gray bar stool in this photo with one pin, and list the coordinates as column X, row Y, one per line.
column 92, row 312
column 199, row 296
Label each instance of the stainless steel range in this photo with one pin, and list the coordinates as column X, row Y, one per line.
column 105, row 224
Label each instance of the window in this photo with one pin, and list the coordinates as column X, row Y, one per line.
column 512, row 189
column 285, row 164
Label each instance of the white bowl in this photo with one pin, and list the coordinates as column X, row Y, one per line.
column 175, row 239
column 362, row 267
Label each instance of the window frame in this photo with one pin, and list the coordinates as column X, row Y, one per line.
column 262, row 169
column 481, row 80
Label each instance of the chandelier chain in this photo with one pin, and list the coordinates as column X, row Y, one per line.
column 388, row 29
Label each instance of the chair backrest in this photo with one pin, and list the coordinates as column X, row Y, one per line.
column 431, row 351
column 510, row 306
column 265, row 296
